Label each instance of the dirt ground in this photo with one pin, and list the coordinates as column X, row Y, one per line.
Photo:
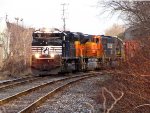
column 6, row 75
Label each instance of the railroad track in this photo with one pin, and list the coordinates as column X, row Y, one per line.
column 16, row 82
column 9, row 92
column 7, row 82
column 30, row 99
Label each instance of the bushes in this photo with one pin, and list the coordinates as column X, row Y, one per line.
column 140, row 63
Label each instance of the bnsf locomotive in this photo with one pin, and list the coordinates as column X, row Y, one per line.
column 58, row 51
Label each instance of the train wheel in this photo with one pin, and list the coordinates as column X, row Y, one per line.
column 77, row 65
column 64, row 67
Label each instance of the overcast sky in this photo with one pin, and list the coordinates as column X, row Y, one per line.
column 81, row 15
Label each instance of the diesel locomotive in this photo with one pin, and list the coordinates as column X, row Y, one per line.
column 46, row 51
column 55, row 51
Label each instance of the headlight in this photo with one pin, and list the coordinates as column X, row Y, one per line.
column 37, row 55
column 52, row 55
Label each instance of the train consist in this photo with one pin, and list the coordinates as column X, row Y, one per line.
column 55, row 51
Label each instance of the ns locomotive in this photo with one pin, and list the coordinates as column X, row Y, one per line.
column 46, row 51
column 57, row 51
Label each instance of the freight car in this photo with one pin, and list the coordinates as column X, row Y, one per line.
column 130, row 48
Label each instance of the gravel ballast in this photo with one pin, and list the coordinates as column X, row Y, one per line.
column 77, row 98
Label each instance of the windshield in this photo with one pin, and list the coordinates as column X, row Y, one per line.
column 47, row 39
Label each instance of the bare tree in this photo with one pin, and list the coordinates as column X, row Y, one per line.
column 136, row 13
column 136, row 70
column 20, row 49
column 114, row 30
column 4, row 38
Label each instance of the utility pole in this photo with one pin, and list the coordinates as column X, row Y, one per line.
column 63, row 16
column 21, row 22
column 17, row 19
column 17, row 22
column 24, row 43
column 6, row 18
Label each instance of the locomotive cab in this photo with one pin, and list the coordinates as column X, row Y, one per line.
column 91, row 49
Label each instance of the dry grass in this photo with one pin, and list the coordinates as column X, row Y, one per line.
column 140, row 63
column 124, row 93
column 107, row 110
column 128, row 90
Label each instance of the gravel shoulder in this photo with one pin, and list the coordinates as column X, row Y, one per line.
column 98, row 94
column 79, row 98
column 113, row 91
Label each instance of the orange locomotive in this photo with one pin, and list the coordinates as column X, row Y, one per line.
column 90, row 49
column 87, row 55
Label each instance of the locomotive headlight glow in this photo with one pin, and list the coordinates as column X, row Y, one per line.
column 37, row 55
column 52, row 55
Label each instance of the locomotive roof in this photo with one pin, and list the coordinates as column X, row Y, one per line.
column 46, row 32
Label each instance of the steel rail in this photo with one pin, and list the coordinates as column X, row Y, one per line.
column 13, row 81
column 17, row 83
column 25, row 92
column 41, row 100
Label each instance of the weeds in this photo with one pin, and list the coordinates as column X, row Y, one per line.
column 107, row 110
